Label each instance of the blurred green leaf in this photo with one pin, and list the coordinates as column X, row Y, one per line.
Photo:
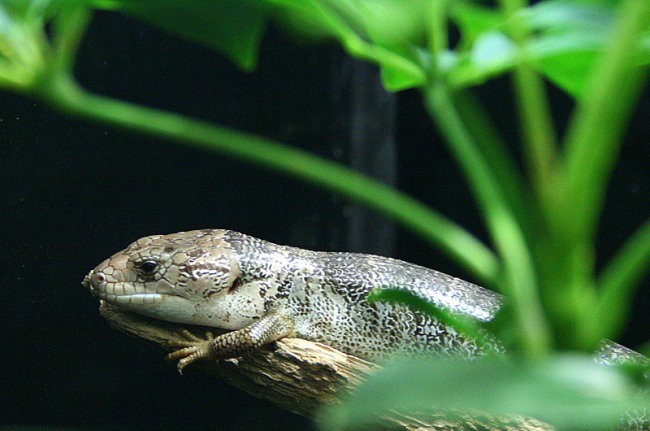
column 563, row 15
column 567, row 38
column 25, row 8
column 473, row 20
column 385, row 32
column 234, row 27
column 568, row 34
column 572, row 34
column 39, row 10
column 492, row 54
column 23, row 43
column 568, row 391
column 618, row 280
column 463, row 324
column 568, row 67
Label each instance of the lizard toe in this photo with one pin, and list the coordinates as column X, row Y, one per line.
column 181, row 353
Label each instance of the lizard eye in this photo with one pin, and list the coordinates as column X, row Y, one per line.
column 148, row 267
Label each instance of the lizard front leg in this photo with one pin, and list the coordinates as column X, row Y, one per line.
column 268, row 329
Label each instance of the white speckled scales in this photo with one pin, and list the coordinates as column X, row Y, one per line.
column 263, row 292
column 325, row 294
column 225, row 279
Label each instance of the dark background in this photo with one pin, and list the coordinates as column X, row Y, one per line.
column 73, row 193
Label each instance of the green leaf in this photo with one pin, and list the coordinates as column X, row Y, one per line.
column 572, row 36
column 473, row 20
column 23, row 43
column 568, row 391
column 563, row 15
column 234, row 27
column 617, row 281
column 39, row 10
column 568, row 67
column 384, row 32
column 463, row 324
column 492, row 54
column 567, row 39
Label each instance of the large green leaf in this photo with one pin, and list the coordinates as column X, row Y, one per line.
column 384, row 32
column 567, row 38
column 568, row 391
column 23, row 42
column 234, row 27
column 473, row 20
column 572, row 34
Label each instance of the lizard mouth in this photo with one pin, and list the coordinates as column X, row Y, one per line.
column 137, row 298
column 97, row 284
column 132, row 297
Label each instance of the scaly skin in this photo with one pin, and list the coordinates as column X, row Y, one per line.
column 264, row 292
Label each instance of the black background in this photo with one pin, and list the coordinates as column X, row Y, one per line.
column 73, row 193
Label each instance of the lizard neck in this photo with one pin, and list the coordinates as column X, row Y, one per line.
column 275, row 266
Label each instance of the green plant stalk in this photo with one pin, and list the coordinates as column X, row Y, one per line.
column 537, row 125
column 538, row 132
column 618, row 279
column 593, row 139
column 518, row 278
column 437, row 37
column 497, row 156
column 591, row 148
column 63, row 93
column 70, row 26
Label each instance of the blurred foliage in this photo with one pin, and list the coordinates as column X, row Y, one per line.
column 567, row 36
column 568, row 391
column 541, row 217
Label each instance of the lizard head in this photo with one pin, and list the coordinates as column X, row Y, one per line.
column 181, row 277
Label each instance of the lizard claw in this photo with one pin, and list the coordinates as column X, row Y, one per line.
column 193, row 349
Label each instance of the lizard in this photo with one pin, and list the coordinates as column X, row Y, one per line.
column 263, row 292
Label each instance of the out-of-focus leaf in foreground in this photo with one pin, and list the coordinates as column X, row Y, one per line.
column 567, row 391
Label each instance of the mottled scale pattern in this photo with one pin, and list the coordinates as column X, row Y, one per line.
column 263, row 291
column 230, row 280
column 325, row 293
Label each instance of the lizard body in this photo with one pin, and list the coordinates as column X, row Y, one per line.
column 263, row 292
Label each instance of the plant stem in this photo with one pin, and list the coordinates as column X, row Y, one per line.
column 518, row 282
column 539, row 136
column 537, row 124
column 70, row 26
column 437, row 37
column 617, row 281
column 492, row 147
column 63, row 93
column 593, row 139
